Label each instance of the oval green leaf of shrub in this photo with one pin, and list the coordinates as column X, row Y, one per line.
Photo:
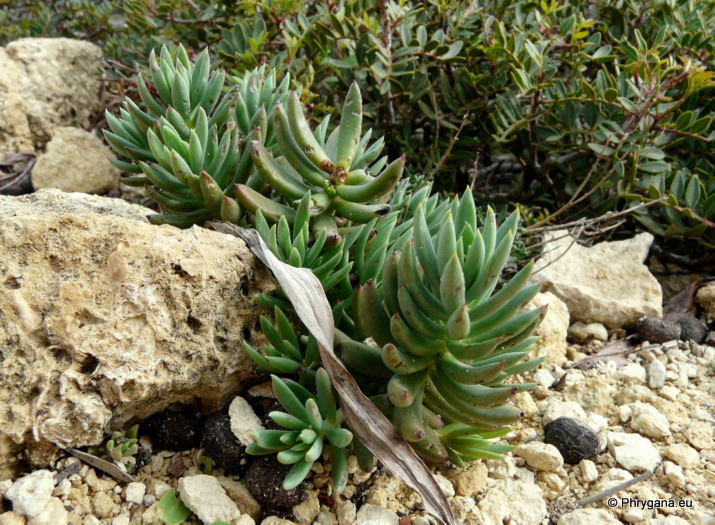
column 692, row 192
column 656, row 166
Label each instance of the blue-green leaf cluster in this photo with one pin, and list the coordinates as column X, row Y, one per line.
column 312, row 422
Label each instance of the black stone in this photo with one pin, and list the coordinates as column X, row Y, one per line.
column 575, row 440
column 265, row 482
column 656, row 330
column 222, row 445
column 170, row 430
column 692, row 329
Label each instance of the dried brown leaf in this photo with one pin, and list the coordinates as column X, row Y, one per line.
column 105, row 466
column 682, row 305
column 617, row 352
column 370, row 426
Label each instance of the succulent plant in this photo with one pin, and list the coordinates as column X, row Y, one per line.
column 289, row 353
column 336, row 171
column 446, row 342
column 189, row 148
column 311, row 423
column 325, row 255
column 120, row 447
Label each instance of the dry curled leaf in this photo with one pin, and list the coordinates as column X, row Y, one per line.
column 371, row 427
column 105, row 466
column 682, row 305
column 617, row 352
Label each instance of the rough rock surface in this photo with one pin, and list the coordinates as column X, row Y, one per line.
column 31, row 494
column 205, row 496
column 633, row 452
column 540, row 455
column 513, row 501
column 76, row 160
column 46, row 83
column 607, row 283
column 706, row 298
column 104, row 317
column 244, row 421
column 552, row 330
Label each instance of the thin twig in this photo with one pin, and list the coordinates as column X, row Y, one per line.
column 575, row 237
column 616, row 489
column 475, row 173
column 590, row 222
column 446, row 153
column 387, row 40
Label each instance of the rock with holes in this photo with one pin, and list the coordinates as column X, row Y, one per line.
column 104, row 317
column 46, row 83
column 607, row 283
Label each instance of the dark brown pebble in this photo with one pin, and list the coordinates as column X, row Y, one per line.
column 575, row 440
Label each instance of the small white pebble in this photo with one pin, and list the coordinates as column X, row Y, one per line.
column 624, row 413
column 632, row 515
column 161, row 488
column 135, row 492
column 589, row 472
column 674, row 473
column 63, row 488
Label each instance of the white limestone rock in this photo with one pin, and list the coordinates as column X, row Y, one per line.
column 589, row 472
column 544, row 378
column 632, row 451
column 540, row 455
column 649, row 421
column 346, row 513
column 31, row 493
column 244, row 421
column 46, row 83
column 583, row 332
column 655, row 373
column 607, row 283
column 674, row 473
column 76, row 161
column 588, row 517
column 205, row 496
column 54, row 513
column 555, row 408
column 611, row 478
column 374, row 515
column 135, row 492
column 631, row 373
column 133, row 317
column 513, row 501
column 552, row 330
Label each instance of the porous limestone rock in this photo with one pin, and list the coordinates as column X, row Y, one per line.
column 46, row 83
column 76, row 160
column 705, row 297
column 607, row 283
column 552, row 330
column 104, row 317
column 205, row 496
column 513, row 501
